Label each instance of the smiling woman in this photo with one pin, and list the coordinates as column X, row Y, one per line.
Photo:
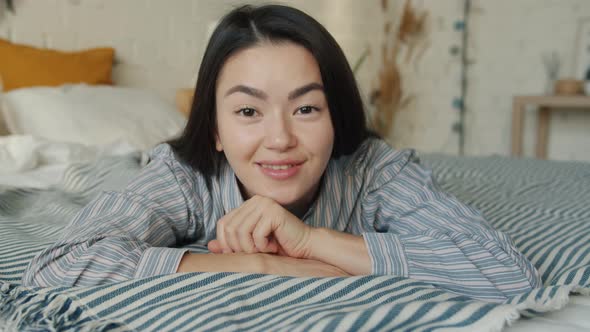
column 276, row 133
column 277, row 173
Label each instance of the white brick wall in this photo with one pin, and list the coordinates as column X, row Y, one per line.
column 159, row 44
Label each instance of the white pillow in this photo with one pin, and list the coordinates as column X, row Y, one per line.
column 91, row 115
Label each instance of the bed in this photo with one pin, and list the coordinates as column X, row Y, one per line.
column 542, row 205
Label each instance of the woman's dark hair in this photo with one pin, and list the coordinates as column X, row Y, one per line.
column 248, row 26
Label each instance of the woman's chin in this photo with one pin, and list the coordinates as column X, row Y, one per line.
column 283, row 201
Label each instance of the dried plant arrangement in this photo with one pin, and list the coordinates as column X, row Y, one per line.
column 389, row 96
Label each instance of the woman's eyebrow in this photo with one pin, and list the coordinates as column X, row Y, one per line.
column 247, row 90
column 305, row 89
column 262, row 95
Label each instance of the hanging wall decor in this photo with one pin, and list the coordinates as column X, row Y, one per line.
column 9, row 5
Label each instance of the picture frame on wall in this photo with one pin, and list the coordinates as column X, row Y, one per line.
column 582, row 49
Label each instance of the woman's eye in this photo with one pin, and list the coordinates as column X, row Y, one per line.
column 306, row 109
column 248, row 112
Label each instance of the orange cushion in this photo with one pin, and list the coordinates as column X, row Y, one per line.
column 25, row 66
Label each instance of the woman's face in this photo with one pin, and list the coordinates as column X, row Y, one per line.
column 273, row 122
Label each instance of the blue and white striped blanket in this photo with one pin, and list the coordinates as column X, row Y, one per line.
column 544, row 206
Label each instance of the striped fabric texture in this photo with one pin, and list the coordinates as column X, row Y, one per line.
column 541, row 205
column 411, row 228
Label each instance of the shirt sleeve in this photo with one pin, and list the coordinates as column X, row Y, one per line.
column 422, row 232
column 122, row 235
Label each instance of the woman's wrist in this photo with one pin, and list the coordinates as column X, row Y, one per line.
column 317, row 235
column 345, row 251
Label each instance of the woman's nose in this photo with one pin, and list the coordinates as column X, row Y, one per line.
column 279, row 134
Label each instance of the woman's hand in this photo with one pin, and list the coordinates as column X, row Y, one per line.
column 261, row 225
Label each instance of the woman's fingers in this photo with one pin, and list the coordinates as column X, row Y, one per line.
column 234, row 230
column 263, row 239
column 272, row 246
column 244, row 233
column 225, row 249
column 221, row 232
column 215, row 247
column 260, row 225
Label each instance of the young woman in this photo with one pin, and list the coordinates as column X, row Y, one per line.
column 277, row 173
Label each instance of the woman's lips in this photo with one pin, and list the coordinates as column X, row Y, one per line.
column 281, row 170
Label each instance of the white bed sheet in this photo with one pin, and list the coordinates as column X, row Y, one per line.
column 41, row 177
column 31, row 162
column 574, row 317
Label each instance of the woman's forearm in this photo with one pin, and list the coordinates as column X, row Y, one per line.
column 258, row 263
column 345, row 251
column 247, row 263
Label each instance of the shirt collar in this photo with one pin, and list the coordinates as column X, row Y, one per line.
column 322, row 195
column 231, row 195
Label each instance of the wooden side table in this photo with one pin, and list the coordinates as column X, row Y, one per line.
column 545, row 105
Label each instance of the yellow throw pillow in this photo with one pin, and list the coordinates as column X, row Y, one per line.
column 25, row 66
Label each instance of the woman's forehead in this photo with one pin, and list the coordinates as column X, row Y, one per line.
column 270, row 67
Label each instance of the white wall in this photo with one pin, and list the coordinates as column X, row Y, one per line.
column 159, row 44
column 507, row 46
column 506, row 43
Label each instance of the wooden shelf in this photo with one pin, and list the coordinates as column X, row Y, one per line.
column 555, row 101
column 545, row 105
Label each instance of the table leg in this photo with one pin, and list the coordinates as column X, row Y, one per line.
column 543, row 132
column 517, row 126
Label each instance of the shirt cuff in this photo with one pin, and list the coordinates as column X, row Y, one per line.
column 387, row 254
column 158, row 261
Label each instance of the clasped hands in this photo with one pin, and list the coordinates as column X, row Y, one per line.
column 261, row 225
column 286, row 244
